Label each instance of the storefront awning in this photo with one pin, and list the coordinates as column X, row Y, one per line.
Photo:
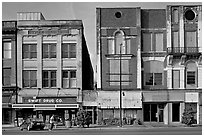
column 43, row 106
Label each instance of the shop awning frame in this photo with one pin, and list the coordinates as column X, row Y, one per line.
column 51, row 106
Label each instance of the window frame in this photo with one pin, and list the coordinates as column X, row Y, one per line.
column 187, row 78
column 69, row 79
column 7, row 50
column 30, row 50
column 29, row 79
column 69, row 52
column 49, row 79
column 49, row 52
column 153, row 75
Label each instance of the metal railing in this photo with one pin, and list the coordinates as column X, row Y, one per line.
column 183, row 50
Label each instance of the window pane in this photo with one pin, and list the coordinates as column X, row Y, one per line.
column 25, row 48
column 115, row 78
column 65, row 74
column 65, row 83
column 7, row 50
column 45, row 83
column 175, row 39
column 114, row 66
column 65, row 50
column 33, row 75
column 149, row 79
column 111, row 46
column 190, row 77
column 159, row 41
column 72, row 74
column 119, row 41
column 176, row 79
column 128, row 46
column 26, row 75
column 53, row 51
column 53, row 74
column 33, row 83
column 72, row 83
column 26, row 83
column 33, row 55
column 33, row 47
column 53, row 83
column 125, row 66
column 190, row 39
column 157, row 78
column 147, row 41
column 72, row 50
column 45, row 51
column 45, row 74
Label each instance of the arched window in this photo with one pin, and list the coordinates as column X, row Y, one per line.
column 119, row 41
column 191, row 74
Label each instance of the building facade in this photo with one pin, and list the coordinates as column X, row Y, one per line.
column 9, row 82
column 53, row 67
column 156, row 55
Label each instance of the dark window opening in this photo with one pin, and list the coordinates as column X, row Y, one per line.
column 189, row 15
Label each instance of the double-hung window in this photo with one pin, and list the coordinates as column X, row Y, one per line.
column 6, row 49
column 69, row 78
column 49, row 50
column 68, row 50
column 29, row 51
column 49, row 78
column 29, row 78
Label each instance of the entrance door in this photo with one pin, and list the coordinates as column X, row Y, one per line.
column 175, row 112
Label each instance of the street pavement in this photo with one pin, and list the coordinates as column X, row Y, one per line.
column 110, row 130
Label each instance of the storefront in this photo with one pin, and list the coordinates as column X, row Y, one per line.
column 108, row 105
column 41, row 108
column 163, row 106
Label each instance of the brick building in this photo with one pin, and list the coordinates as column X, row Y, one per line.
column 160, row 62
column 53, row 67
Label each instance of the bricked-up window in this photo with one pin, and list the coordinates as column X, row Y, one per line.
column 115, row 72
column 6, row 76
column 49, row 50
column 191, row 77
column 7, row 49
column 49, row 78
column 29, row 78
column 153, row 79
column 68, row 50
column 29, row 51
column 69, row 79
column 176, row 79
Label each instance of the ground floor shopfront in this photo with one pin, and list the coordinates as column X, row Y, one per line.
column 42, row 108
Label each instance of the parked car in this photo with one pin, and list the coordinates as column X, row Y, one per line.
column 32, row 125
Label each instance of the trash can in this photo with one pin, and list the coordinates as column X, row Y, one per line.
column 68, row 124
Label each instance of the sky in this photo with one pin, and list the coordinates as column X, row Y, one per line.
column 85, row 11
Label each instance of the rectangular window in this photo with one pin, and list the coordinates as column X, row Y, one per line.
column 6, row 76
column 176, row 79
column 153, row 79
column 49, row 50
column 128, row 45
column 111, row 48
column 49, row 78
column 190, row 77
column 175, row 40
column 175, row 15
column 190, row 39
column 68, row 50
column 159, row 41
column 29, row 51
column 147, row 42
column 7, row 49
column 115, row 72
column 29, row 78
column 69, row 79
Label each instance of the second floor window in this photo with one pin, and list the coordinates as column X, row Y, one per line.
column 153, row 79
column 68, row 50
column 49, row 50
column 49, row 78
column 29, row 51
column 6, row 49
column 29, row 78
column 191, row 77
column 69, row 79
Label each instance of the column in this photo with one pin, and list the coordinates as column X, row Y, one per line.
column 59, row 62
column 39, row 61
column 169, row 77
column 199, row 77
column 19, row 59
column 168, row 30
column 139, row 71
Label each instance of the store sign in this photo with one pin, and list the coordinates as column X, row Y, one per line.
column 50, row 100
column 111, row 99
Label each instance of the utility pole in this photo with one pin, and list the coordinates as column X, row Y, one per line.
column 121, row 124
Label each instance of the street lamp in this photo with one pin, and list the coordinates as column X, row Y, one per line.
column 120, row 88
